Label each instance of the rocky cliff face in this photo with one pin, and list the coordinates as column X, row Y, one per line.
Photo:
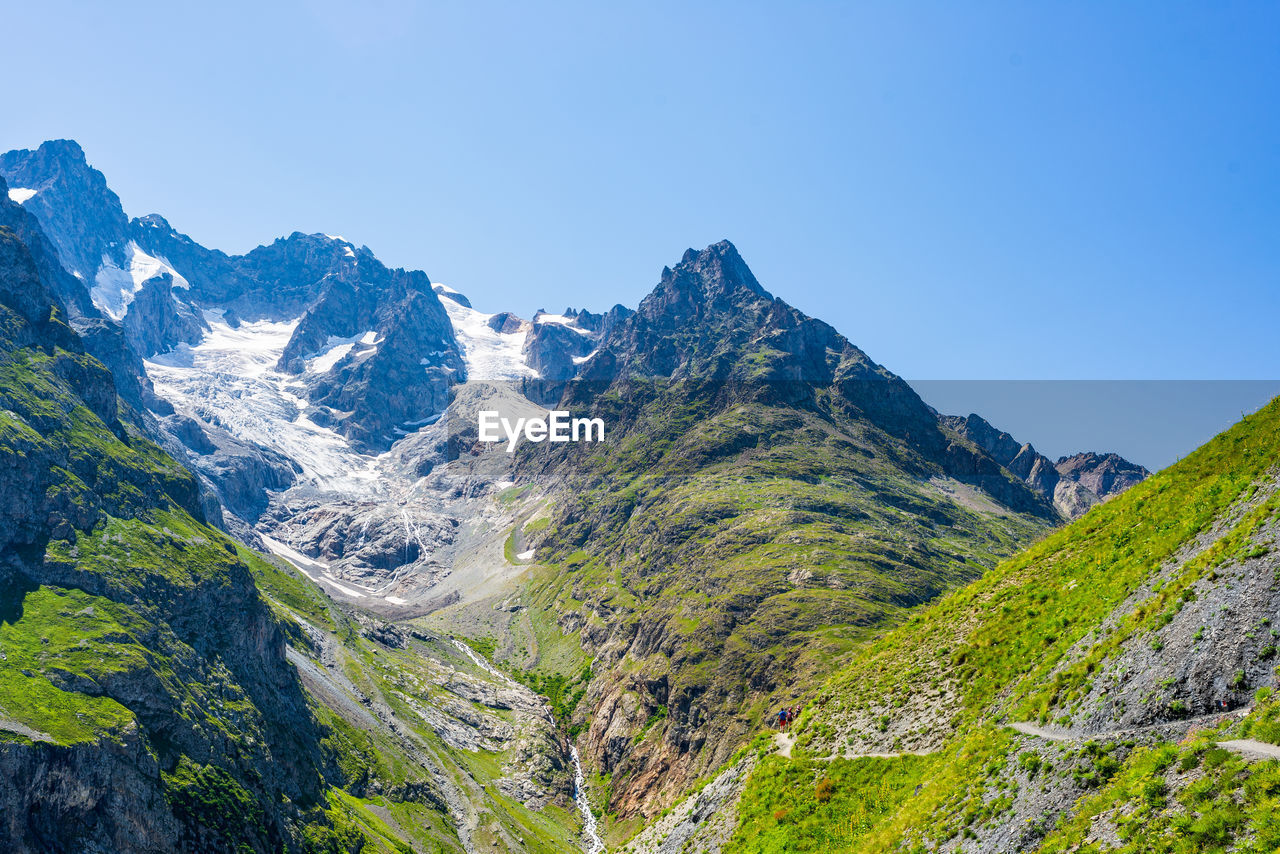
column 746, row 434
column 129, row 719
column 214, row 277
column 1073, row 484
column 103, row 548
column 375, row 350
column 82, row 216
column 105, row 340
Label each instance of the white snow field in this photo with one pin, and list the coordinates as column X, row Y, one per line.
column 229, row 379
column 18, row 195
column 490, row 356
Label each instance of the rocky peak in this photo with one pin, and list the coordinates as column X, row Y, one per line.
column 1103, row 474
column 82, row 216
column 714, row 279
column 289, row 273
column 997, row 443
column 211, row 275
column 1073, row 484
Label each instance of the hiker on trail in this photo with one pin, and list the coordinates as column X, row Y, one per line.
column 782, row 719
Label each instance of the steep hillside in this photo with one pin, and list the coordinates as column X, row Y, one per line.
column 129, row 719
column 768, row 500
column 1110, row 687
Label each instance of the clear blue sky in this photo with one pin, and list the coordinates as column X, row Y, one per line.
column 966, row 190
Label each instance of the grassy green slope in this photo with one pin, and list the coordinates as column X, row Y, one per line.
column 145, row 702
column 386, row 763
column 1029, row 641
column 739, row 554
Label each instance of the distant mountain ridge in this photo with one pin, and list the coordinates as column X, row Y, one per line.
column 162, row 286
column 1074, row 483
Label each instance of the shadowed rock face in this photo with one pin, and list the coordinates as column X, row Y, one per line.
column 213, row 275
column 240, row 472
column 157, row 320
column 105, row 340
column 1073, row 484
column 78, row 544
column 401, row 364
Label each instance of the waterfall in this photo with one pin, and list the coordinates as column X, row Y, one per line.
column 595, row 845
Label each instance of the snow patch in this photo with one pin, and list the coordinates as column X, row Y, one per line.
column 18, row 195
column 312, row 569
column 335, row 347
column 560, row 320
column 115, row 287
column 526, row 555
column 329, row 357
column 294, row 556
column 445, row 290
column 489, row 355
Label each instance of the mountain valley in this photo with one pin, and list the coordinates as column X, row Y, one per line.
column 264, row 586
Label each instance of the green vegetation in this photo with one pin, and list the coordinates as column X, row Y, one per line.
column 60, row 638
column 1183, row 799
column 1020, row 620
column 803, row 805
column 562, row 693
column 210, row 799
column 755, row 545
column 1029, row 640
column 283, row 586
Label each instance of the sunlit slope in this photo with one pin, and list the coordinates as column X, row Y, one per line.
column 767, row 499
column 1108, row 642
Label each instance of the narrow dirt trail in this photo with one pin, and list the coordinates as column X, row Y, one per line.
column 1028, row 728
column 784, row 741
column 1246, row 747
column 1251, row 749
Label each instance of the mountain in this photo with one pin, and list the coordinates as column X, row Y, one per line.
column 1112, row 686
column 86, row 224
column 1073, row 483
column 334, row 294
column 127, row 714
column 164, row 688
column 455, row 632
column 769, row 500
